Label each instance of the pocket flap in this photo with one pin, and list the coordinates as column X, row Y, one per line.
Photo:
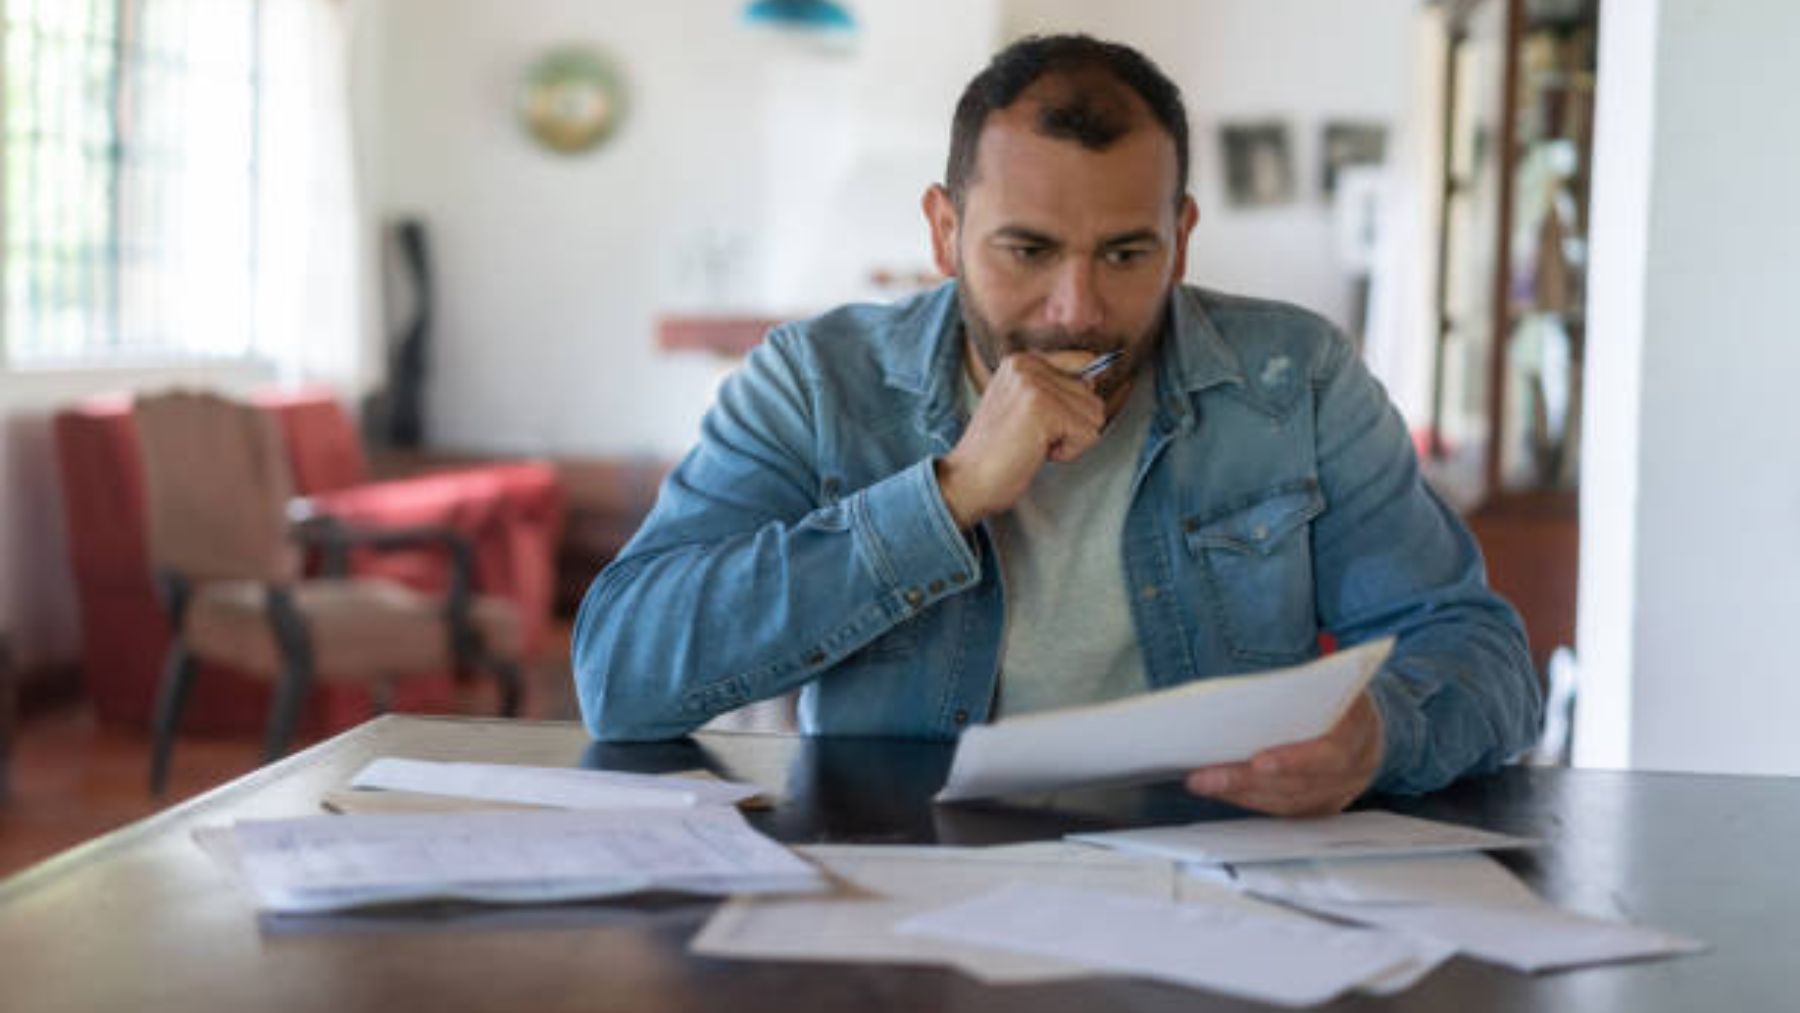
column 1260, row 527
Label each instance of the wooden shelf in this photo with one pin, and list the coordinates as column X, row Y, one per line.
column 730, row 335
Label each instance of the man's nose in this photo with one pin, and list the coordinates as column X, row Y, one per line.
column 1074, row 303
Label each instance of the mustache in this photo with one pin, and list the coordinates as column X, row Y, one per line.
column 1063, row 340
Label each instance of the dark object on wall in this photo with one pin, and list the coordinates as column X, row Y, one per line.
column 1345, row 144
column 1259, row 163
column 394, row 415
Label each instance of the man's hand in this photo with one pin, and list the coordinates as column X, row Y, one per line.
column 1311, row 778
column 1033, row 410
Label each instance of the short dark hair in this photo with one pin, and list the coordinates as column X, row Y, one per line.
column 1085, row 115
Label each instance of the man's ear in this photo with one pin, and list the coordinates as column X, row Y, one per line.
column 1185, row 220
column 940, row 214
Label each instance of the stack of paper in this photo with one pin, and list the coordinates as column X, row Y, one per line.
column 1207, row 946
column 556, row 787
column 1419, row 877
column 1468, row 902
column 327, row 863
column 1266, row 839
column 897, row 894
column 887, row 884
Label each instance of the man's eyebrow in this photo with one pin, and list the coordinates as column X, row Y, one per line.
column 1024, row 235
column 1135, row 237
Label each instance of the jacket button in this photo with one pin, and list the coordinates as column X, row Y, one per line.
column 936, row 586
column 1147, row 592
column 962, row 717
column 815, row 656
column 1261, row 532
column 914, row 597
column 960, row 577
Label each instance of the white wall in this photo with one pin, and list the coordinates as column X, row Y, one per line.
column 1691, row 485
column 552, row 269
column 1303, row 61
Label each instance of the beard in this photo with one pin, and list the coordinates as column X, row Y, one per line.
column 993, row 345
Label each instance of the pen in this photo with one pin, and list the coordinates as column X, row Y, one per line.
column 1098, row 366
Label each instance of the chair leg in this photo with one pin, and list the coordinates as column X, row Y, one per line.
column 171, row 700
column 506, row 673
column 381, row 695
column 284, row 710
column 296, row 676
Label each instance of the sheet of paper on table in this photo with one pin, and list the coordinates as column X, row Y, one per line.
column 1464, row 879
column 559, row 787
column 1162, row 734
column 1467, row 902
column 1536, row 938
column 1270, row 839
column 886, row 885
column 1234, row 951
column 329, row 863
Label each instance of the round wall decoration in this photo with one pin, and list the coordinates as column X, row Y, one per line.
column 572, row 99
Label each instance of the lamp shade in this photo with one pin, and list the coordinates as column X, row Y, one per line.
column 800, row 15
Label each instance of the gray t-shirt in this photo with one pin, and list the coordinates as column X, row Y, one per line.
column 1069, row 636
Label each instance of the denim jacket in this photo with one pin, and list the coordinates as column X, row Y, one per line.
column 804, row 543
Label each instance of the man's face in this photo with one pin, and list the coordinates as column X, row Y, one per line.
column 1064, row 250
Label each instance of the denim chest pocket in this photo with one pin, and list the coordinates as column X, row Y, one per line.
column 1257, row 567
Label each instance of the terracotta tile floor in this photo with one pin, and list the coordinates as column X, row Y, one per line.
column 74, row 777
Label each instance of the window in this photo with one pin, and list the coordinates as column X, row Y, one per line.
column 130, row 180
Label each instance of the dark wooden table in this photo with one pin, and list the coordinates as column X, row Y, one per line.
column 142, row 920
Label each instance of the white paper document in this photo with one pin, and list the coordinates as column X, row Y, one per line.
column 1162, row 734
column 1467, row 903
column 1213, row 947
column 886, row 884
column 1272, row 839
column 1213, row 884
column 1442, row 880
column 327, row 863
column 557, row 787
column 1528, row 938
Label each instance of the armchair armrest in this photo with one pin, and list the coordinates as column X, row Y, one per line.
column 334, row 539
column 511, row 515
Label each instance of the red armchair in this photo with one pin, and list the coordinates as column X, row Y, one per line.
column 511, row 513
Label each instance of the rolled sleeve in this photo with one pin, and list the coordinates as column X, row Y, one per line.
column 904, row 529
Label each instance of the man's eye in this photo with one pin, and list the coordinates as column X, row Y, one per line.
column 1029, row 254
column 1126, row 257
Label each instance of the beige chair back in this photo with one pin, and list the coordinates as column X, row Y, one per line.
column 216, row 488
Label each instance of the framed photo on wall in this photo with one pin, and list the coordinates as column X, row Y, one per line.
column 1345, row 143
column 1259, row 163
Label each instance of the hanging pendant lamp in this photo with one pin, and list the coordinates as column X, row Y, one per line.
column 822, row 16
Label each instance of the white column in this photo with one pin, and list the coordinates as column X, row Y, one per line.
column 1690, row 585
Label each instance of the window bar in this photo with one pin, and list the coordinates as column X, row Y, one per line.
column 251, row 343
column 33, row 209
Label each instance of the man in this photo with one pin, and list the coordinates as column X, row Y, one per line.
column 924, row 516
